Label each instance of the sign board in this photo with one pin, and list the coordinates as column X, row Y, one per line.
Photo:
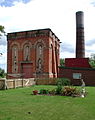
column 77, row 75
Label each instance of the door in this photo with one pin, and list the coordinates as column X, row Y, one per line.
column 27, row 70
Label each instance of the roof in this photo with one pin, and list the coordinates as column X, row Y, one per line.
column 37, row 31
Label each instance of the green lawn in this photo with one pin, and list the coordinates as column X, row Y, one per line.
column 19, row 104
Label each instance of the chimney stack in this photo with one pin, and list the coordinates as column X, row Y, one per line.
column 80, row 43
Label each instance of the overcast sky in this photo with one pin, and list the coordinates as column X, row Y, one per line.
column 59, row 15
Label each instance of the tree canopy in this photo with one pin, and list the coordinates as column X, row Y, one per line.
column 92, row 60
column 62, row 61
column 2, row 30
column 2, row 73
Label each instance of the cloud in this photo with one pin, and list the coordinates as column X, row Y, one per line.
column 90, row 42
column 3, row 66
column 65, row 47
column 10, row 3
column 3, row 49
column 93, row 2
column 3, row 40
column 67, row 55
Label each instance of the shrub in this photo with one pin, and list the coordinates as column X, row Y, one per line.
column 59, row 86
column 58, row 89
column 63, row 81
column 44, row 91
column 52, row 92
column 2, row 73
column 60, row 83
column 70, row 91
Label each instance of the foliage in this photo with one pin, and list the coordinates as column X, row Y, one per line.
column 60, row 83
column 92, row 63
column 59, row 89
column 44, row 91
column 62, row 91
column 92, row 60
column 2, row 73
column 59, row 86
column 52, row 92
column 1, row 30
column 70, row 91
column 62, row 61
column 63, row 81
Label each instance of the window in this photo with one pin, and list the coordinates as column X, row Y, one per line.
column 39, row 58
column 26, row 52
column 14, row 59
column 77, row 75
column 40, row 49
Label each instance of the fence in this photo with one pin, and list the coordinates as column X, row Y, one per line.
column 14, row 83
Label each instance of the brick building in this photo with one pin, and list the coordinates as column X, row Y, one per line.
column 33, row 54
column 76, row 69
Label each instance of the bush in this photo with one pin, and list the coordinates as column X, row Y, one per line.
column 52, row 92
column 63, row 81
column 59, row 86
column 60, row 83
column 70, row 91
column 58, row 89
column 2, row 73
column 44, row 91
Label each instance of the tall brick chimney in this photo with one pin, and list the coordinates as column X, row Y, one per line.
column 80, row 43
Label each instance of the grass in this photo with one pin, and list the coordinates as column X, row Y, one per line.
column 19, row 104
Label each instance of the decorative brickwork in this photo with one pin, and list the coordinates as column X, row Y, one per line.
column 36, row 54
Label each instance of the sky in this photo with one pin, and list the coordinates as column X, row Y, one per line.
column 58, row 15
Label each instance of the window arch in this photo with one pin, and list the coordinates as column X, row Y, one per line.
column 26, row 52
column 40, row 49
column 39, row 57
column 15, row 59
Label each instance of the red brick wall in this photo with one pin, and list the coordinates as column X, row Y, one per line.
column 88, row 75
column 47, row 37
column 77, row 62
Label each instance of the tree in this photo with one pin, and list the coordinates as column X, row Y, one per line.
column 2, row 73
column 92, row 60
column 62, row 61
column 2, row 30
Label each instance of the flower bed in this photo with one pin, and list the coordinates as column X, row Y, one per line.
column 62, row 91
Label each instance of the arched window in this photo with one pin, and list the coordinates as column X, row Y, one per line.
column 39, row 58
column 40, row 50
column 15, row 59
column 26, row 52
column 39, row 65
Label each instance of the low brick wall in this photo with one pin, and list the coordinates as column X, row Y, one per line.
column 14, row 83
